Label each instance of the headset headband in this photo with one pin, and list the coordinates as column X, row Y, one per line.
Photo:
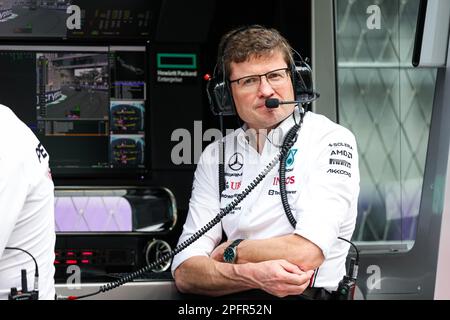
column 219, row 91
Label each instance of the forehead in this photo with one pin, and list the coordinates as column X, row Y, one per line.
column 257, row 65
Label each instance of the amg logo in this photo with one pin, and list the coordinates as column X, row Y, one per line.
column 342, row 153
column 341, row 163
column 343, row 172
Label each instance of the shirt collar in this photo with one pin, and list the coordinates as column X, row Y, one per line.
column 276, row 135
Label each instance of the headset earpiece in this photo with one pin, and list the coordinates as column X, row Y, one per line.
column 219, row 96
column 302, row 80
column 218, row 89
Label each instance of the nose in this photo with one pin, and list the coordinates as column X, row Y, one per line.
column 265, row 89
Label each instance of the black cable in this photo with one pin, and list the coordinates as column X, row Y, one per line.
column 354, row 247
column 221, row 168
column 36, row 268
column 36, row 271
column 283, row 193
column 282, row 174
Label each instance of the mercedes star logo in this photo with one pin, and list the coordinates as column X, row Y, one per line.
column 236, row 162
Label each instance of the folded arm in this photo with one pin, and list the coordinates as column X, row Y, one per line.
column 293, row 248
column 203, row 275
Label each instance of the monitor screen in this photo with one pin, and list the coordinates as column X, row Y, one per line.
column 87, row 105
column 85, row 19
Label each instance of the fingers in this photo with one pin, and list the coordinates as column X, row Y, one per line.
column 284, row 278
column 298, row 279
column 290, row 267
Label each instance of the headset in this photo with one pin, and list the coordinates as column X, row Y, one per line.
column 219, row 91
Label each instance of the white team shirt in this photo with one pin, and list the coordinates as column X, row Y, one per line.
column 26, row 208
column 322, row 183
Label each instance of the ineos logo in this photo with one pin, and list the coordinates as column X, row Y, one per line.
column 236, row 162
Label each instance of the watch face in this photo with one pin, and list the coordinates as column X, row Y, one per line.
column 228, row 255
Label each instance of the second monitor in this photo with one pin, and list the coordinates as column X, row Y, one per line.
column 87, row 105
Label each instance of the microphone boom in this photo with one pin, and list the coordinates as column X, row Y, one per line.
column 272, row 103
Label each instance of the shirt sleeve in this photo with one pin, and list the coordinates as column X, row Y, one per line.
column 204, row 205
column 331, row 190
column 13, row 191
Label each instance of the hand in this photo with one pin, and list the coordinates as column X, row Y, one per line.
column 217, row 253
column 279, row 277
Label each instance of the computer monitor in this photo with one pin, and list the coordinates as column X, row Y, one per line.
column 78, row 19
column 87, row 105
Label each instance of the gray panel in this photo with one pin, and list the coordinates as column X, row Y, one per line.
column 412, row 274
column 146, row 290
column 435, row 40
column 323, row 61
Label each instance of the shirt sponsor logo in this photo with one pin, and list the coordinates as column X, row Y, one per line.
column 339, row 162
column 229, row 196
column 236, row 161
column 236, row 174
column 234, row 185
column 277, row 193
column 341, row 144
column 288, row 180
column 40, row 152
column 290, row 159
column 341, row 153
column 342, row 172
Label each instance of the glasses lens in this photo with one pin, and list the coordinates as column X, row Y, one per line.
column 249, row 82
column 277, row 77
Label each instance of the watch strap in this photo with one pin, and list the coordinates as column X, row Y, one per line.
column 235, row 243
column 233, row 249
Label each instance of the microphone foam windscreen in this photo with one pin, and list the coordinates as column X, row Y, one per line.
column 272, row 103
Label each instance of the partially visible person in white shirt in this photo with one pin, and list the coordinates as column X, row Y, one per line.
column 26, row 209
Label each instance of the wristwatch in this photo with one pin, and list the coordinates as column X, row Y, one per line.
column 230, row 253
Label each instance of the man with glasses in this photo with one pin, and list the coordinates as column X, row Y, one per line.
column 264, row 251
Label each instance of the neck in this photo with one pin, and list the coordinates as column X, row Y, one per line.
column 257, row 138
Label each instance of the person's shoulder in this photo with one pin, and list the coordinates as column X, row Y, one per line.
column 15, row 135
column 323, row 127
column 6, row 113
column 9, row 120
column 11, row 153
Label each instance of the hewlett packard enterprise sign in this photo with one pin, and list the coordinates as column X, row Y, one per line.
column 176, row 68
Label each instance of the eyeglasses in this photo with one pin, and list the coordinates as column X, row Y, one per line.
column 276, row 79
